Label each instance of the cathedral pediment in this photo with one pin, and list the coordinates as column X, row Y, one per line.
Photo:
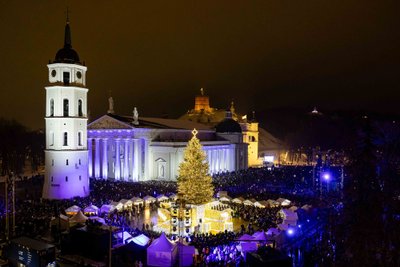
column 107, row 122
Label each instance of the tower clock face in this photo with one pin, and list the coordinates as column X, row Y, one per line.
column 53, row 73
column 78, row 75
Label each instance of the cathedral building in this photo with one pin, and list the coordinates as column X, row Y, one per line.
column 126, row 148
column 130, row 148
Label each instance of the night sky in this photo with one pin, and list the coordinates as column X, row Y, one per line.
column 156, row 55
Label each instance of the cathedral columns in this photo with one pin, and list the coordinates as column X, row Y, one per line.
column 136, row 166
column 126, row 162
column 146, row 159
column 90, row 159
column 117, row 160
column 105, row 159
column 97, row 158
column 223, row 160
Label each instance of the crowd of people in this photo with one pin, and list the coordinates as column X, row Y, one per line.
column 33, row 215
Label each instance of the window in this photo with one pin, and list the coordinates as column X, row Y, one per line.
column 79, row 138
column 66, row 162
column 80, row 178
column 51, row 138
column 52, row 178
column 65, row 139
column 79, row 161
column 66, row 77
column 66, row 107
column 52, row 162
column 51, row 107
column 66, row 178
column 80, row 113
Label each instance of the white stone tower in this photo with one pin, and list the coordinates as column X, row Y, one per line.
column 66, row 154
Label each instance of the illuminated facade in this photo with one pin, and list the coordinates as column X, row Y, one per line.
column 66, row 154
column 129, row 149
column 204, row 114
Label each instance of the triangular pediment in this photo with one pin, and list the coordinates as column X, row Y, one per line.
column 107, row 122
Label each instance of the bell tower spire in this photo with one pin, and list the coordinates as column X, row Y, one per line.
column 66, row 153
column 67, row 36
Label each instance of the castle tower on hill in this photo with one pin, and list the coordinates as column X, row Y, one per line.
column 66, row 153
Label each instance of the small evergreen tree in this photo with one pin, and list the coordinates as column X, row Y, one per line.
column 194, row 183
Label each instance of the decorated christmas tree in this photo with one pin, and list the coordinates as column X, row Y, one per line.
column 194, row 183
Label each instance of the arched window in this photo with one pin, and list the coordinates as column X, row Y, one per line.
column 51, row 107
column 66, row 162
column 66, row 77
column 52, row 138
column 66, row 178
column 66, row 107
column 79, row 138
column 80, row 113
column 65, row 139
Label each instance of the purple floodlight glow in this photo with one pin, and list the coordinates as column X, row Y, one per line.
column 326, row 176
column 290, row 231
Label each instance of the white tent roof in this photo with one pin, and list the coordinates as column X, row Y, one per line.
column 273, row 203
column 225, row 198
column 141, row 240
column 73, row 208
column 117, row 205
column 107, row 208
column 273, row 231
column 260, row 236
column 126, row 202
column 284, row 201
column 245, row 237
column 79, row 218
column 248, row 202
column 123, row 235
column 149, row 199
column 306, row 207
column 238, row 200
column 162, row 244
column 137, row 200
column 91, row 208
column 261, row 204
column 162, row 198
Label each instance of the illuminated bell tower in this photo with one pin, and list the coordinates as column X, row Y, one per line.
column 66, row 154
